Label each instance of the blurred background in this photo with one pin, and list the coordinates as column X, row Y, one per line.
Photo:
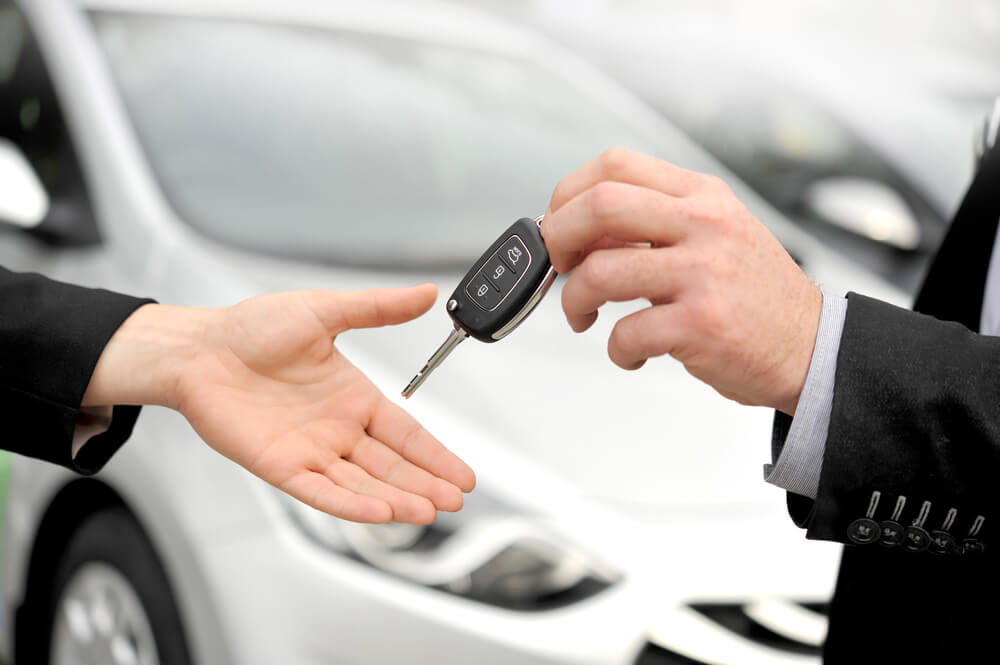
column 202, row 151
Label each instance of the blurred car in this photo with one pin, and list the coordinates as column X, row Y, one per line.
column 203, row 152
column 870, row 165
column 863, row 143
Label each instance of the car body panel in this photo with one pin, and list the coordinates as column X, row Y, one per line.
column 664, row 486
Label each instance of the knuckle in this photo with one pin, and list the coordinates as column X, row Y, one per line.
column 716, row 214
column 707, row 265
column 560, row 194
column 708, row 315
column 604, row 199
column 691, row 266
column 593, row 272
column 625, row 338
column 713, row 207
column 709, row 212
column 714, row 183
column 689, row 209
column 614, row 163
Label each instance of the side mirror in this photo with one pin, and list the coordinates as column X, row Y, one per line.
column 867, row 208
column 23, row 201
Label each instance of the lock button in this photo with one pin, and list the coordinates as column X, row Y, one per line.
column 482, row 292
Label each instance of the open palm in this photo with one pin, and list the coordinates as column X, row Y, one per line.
column 272, row 392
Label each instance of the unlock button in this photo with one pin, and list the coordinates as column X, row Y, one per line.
column 500, row 274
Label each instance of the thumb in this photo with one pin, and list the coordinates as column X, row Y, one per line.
column 343, row 310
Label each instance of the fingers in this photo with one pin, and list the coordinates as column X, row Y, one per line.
column 343, row 310
column 386, row 464
column 625, row 166
column 320, row 492
column 622, row 212
column 347, row 491
column 616, row 275
column 648, row 333
column 402, row 433
column 406, row 507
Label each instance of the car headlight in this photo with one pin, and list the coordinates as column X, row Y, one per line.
column 485, row 554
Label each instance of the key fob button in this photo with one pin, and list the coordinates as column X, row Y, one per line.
column 501, row 275
column 516, row 268
column 515, row 255
column 482, row 292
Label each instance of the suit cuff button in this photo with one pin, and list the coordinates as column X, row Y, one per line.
column 942, row 543
column 972, row 546
column 892, row 534
column 863, row 531
column 916, row 539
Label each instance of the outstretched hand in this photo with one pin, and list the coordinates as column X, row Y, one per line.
column 263, row 383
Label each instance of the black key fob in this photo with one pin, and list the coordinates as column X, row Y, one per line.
column 503, row 286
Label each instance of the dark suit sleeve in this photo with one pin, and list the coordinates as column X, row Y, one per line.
column 916, row 414
column 51, row 335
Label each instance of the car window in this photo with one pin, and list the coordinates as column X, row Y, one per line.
column 348, row 147
column 783, row 143
column 31, row 117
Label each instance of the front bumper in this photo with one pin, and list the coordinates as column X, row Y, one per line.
column 288, row 600
column 285, row 599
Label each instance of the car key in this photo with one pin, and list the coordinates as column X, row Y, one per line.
column 497, row 293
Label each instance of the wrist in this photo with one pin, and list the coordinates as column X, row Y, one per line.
column 797, row 363
column 145, row 360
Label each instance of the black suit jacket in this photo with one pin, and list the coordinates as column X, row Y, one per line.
column 51, row 335
column 916, row 414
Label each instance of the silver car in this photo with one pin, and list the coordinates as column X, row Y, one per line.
column 203, row 152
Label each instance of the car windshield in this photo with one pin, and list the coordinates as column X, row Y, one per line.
column 347, row 147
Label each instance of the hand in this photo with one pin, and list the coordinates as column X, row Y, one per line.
column 263, row 383
column 726, row 298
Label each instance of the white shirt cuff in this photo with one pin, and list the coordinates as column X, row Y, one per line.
column 799, row 465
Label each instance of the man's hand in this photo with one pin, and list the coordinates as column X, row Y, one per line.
column 263, row 384
column 726, row 298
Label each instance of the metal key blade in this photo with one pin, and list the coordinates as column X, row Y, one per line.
column 454, row 339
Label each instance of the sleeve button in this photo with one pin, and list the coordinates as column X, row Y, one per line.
column 892, row 534
column 973, row 546
column 863, row 531
column 916, row 539
column 942, row 543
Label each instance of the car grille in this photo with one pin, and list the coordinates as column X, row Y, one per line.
column 740, row 619
column 794, row 628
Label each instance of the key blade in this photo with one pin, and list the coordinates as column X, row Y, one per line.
column 456, row 337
